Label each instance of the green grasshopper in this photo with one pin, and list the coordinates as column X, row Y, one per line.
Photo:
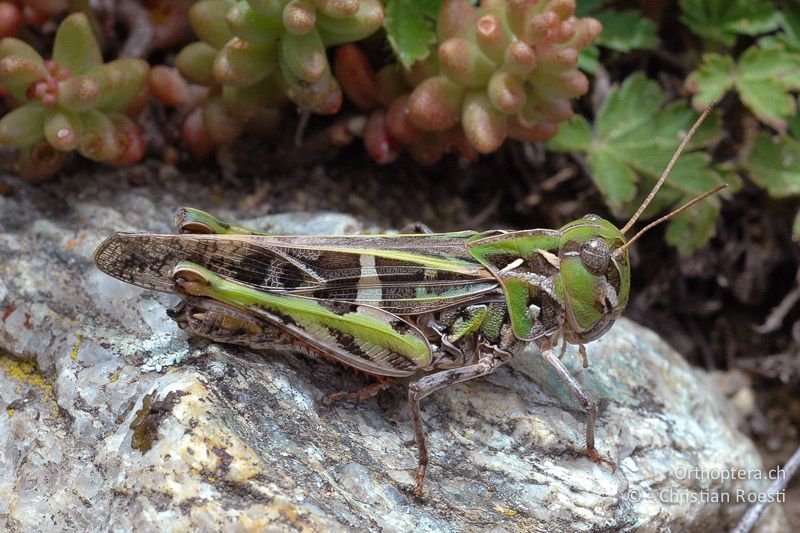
column 455, row 305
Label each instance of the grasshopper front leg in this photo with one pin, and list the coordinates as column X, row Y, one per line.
column 429, row 384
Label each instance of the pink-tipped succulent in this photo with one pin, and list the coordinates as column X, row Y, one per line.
column 281, row 41
column 73, row 101
column 32, row 13
column 215, row 115
column 506, row 69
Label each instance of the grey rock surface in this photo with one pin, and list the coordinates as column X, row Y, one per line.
column 226, row 439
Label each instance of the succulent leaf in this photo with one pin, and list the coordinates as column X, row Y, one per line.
column 364, row 22
column 208, row 20
column 304, row 56
column 356, row 76
column 241, row 63
column 129, row 139
column 268, row 8
column 484, row 126
column 40, row 161
column 324, row 96
column 121, row 81
column 435, row 105
column 247, row 103
column 62, row 129
column 11, row 46
column 79, row 93
column 248, row 24
column 196, row 63
column 98, row 140
column 18, row 73
column 464, row 63
column 516, row 59
column 220, row 127
column 299, row 17
column 23, row 126
column 76, row 48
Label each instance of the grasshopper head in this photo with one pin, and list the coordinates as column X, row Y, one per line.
column 596, row 277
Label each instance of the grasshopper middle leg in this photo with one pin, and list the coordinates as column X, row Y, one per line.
column 429, row 384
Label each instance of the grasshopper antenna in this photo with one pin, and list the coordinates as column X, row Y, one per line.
column 619, row 251
column 666, row 172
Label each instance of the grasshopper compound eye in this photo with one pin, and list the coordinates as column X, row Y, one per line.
column 595, row 256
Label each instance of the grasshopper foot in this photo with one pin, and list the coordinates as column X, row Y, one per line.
column 595, row 456
column 356, row 397
column 420, row 478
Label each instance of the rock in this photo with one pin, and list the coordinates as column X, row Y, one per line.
column 113, row 417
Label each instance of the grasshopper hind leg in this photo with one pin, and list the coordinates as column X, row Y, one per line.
column 586, row 402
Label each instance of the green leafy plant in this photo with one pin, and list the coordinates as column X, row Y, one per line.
column 774, row 164
column 722, row 21
column 411, row 28
column 624, row 30
column 763, row 77
column 633, row 137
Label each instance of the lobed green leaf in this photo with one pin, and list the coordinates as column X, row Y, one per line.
column 691, row 229
column 626, row 30
column 763, row 77
column 411, row 28
column 774, row 164
column 721, row 21
column 633, row 138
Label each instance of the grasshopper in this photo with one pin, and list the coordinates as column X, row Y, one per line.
column 453, row 305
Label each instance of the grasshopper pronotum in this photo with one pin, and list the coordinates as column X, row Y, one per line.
column 453, row 305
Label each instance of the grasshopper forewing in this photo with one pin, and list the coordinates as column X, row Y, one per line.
column 455, row 306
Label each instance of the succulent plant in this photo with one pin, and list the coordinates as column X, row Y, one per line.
column 72, row 101
column 506, row 69
column 279, row 42
column 14, row 15
column 215, row 116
